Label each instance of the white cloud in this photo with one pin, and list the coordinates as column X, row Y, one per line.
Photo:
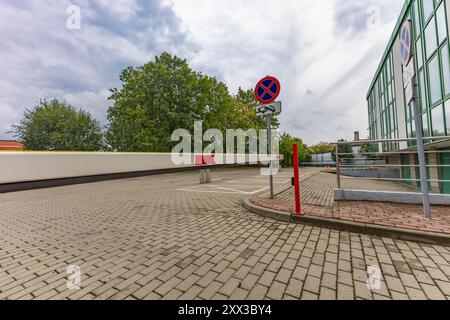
column 122, row 9
column 42, row 59
column 310, row 45
column 94, row 101
column 322, row 51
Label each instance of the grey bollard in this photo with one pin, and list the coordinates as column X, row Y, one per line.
column 205, row 176
column 208, row 176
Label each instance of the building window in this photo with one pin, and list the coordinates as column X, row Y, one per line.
column 430, row 38
column 388, row 106
column 416, row 18
column 435, row 80
column 426, row 131
column 372, row 117
column 419, row 53
column 428, row 7
column 446, row 69
column 432, row 53
column 423, row 97
column 437, row 119
column 441, row 23
column 447, row 115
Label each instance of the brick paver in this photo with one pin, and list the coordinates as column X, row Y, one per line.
column 317, row 200
column 318, row 189
column 161, row 238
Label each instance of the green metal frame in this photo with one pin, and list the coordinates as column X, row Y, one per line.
column 426, row 62
column 407, row 13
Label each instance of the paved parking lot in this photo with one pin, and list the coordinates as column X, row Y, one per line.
column 166, row 237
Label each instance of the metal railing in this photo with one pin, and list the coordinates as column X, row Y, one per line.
column 391, row 164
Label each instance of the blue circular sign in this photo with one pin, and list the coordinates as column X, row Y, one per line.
column 406, row 43
column 267, row 90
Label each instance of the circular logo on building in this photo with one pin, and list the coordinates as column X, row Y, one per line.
column 406, row 43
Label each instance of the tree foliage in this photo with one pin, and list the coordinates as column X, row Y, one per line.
column 57, row 126
column 322, row 147
column 286, row 143
column 343, row 149
column 165, row 95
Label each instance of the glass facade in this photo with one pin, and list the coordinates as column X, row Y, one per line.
column 372, row 116
column 429, row 19
column 431, row 33
column 388, row 104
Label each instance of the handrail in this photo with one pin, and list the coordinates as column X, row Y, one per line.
column 346, row 161
column 363, row 142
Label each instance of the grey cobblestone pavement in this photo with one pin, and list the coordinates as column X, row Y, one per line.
column 164, row 237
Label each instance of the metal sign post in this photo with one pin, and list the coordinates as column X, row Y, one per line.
column 421, row 154
column 412, row 95
column 266, row 92
column 269, row 128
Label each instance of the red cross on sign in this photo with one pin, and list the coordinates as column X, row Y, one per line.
column 267, row 90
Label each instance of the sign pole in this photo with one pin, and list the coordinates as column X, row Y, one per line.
column 266, row 92
column 421, row 155
column 409, row 76
column 269, row 128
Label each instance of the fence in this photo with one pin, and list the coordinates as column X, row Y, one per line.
column 394, row 161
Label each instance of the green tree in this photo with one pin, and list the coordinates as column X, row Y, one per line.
column 165, row 95
column 160, row 97
column 343, row 148
column 240, row 113
column 286, row 142
column 322, row 147
column 57, row 126
column 369, row 150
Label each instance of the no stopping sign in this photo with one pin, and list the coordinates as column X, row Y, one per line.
column 267, row 90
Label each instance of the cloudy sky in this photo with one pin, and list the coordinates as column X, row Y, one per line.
column 325, row 52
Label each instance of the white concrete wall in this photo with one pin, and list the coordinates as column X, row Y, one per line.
column 36, row 166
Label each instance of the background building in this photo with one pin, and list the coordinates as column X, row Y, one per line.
column 391, row 118
column 8, row 145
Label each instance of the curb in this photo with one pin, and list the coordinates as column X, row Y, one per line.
column 266, row 212
column 356, row 227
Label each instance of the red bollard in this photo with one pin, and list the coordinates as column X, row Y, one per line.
column 298, row 208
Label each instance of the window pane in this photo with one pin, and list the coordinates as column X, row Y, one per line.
column 435, row 80
column 447, row 115
column 416, row 18
column 446, row 69
column 430, row 38
column 427, row 9
column 392, row 116
column 388, row 71
column 419, row 53
column 442, row 24
column 423, row 98
column 437, row 121
column 426, row 132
